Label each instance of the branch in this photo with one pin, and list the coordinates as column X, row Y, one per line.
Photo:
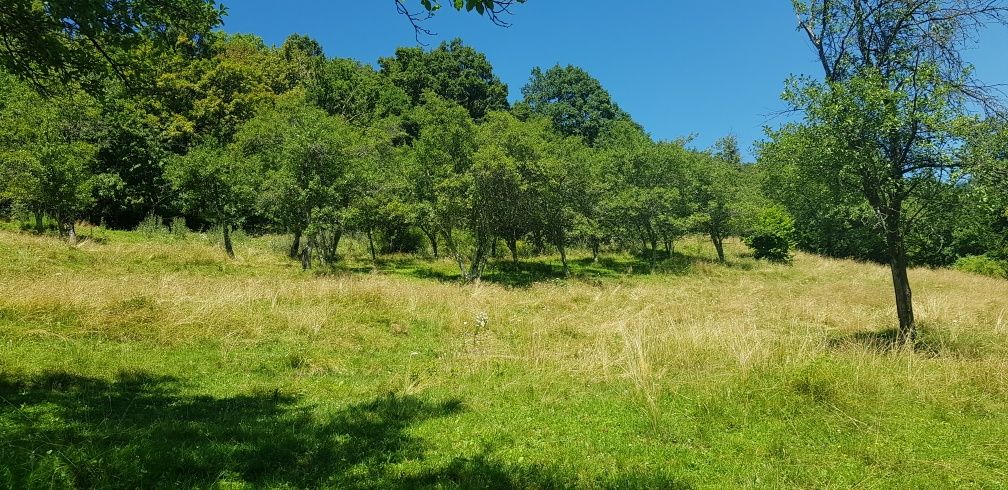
column 416, row 19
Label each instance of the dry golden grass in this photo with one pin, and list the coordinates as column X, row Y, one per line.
column 751, row 336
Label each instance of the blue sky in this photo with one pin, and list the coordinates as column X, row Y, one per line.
column 679, row 68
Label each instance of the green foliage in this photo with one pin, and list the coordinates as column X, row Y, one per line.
column 717, row 192
column 982, row 264
column 828, row 221
column 70, row 40
column 316, row 167
column 216, row 185
column 771, row 235
column 46, row 153
column 646, row 200
column 577, row 104
column 152, row 225
column 453, row 71
column 353, row 90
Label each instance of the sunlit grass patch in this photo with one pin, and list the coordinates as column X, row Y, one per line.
column 140, row 360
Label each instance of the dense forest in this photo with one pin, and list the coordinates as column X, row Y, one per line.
column 421, row 151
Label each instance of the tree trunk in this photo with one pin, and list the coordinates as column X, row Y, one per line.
column 653, row 238
column 562, row 248
column 901, row 287
column 432, row 237
column 594, row 249
column 71, row 232
column 38, row 222
column 336, row 237
column 512, row 244
column 306, row 256
column 668, row 248
column 370, row 240
column 718, row 245
column 296, row 246
column 227, row 241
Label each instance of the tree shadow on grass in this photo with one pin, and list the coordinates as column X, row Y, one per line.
column 61, row 430
column 143, row 431
column 526, row 273
column 929, row 342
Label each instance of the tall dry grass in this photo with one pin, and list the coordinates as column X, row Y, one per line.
column 707, row 330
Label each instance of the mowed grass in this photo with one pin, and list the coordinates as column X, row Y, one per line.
column 148, row 361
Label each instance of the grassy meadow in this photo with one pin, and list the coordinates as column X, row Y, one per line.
column 138, row 361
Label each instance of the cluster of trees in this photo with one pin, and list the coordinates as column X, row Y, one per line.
column 284, row 139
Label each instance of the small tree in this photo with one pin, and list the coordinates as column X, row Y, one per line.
column 46, row 153
column 892, row 106
column 315, row 166
column 714, row 192
column 216, row 185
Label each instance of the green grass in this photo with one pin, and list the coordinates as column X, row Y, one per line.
column 137, row 361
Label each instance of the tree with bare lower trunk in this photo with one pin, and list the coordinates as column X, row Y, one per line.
column 893, row 108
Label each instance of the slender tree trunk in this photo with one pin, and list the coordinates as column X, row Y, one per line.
column 668, row 248
column 512, row 244
column 336, row 237
column 227, row 240
column 71, row 232
column 653, row 238
column 901, row 287
column 432, row 238
column 38, row 222
column 562, row 248
column 306, row 254
column 594, row 248
column 296, row 246
column 718, row 241
column 450, row 243
column 370, row 239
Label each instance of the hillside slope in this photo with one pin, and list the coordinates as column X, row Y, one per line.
column 146, row 361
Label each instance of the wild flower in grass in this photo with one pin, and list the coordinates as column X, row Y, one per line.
column 480, row 322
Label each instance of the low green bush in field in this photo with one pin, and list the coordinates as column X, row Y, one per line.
column 982, row 264
column 772, row 235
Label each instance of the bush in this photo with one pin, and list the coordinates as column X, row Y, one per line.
column 771, row 235
column 982, row 264
column 152, row 225
column 179, row 229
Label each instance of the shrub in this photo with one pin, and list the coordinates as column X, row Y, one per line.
column 982, row 264
column 771, row 235
column 178, row 228
column 152, row 225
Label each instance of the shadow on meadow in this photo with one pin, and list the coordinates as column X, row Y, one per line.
column 60, row 430
column 931, row 341
column 526, row 273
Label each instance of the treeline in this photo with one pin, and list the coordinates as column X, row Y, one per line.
column 424, row 153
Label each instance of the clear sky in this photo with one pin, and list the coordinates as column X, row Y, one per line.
column 678, row 67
